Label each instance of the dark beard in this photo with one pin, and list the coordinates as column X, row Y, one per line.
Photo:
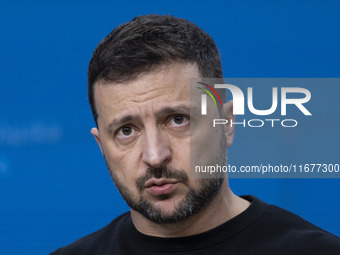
column 194, row 201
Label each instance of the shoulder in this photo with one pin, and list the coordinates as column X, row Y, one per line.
column 94, row 242
column 288, row 229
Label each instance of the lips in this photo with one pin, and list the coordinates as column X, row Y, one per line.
column 159, row 182
column 159, row 187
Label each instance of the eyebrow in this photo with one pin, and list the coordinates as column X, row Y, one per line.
column 122, row 121
column 172, row 110
column 166, row 110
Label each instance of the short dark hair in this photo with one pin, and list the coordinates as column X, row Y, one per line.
column 148, row 41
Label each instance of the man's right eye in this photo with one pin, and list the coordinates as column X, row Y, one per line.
column 125, row 132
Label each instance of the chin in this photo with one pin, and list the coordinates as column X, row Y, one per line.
column 167, row 205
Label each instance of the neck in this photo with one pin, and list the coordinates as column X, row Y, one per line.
column 222, row 208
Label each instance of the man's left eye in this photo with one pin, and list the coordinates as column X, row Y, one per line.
column 178, row 120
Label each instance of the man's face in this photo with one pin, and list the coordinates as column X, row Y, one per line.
column 144, row 135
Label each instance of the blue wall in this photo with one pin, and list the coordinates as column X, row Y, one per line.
column 54, row 186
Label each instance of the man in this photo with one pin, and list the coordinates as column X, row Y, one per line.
column 139, row 91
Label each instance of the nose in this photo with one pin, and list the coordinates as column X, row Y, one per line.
column 156, row 149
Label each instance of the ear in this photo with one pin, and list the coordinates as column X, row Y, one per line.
column 228, row 115
column 95, row 133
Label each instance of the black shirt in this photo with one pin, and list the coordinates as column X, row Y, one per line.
column 260, row 229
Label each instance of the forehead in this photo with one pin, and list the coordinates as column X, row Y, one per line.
column 163, row 86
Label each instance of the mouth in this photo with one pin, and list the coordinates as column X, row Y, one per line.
column 158, row 187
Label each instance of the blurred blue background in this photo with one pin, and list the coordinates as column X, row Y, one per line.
column 54, row 186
